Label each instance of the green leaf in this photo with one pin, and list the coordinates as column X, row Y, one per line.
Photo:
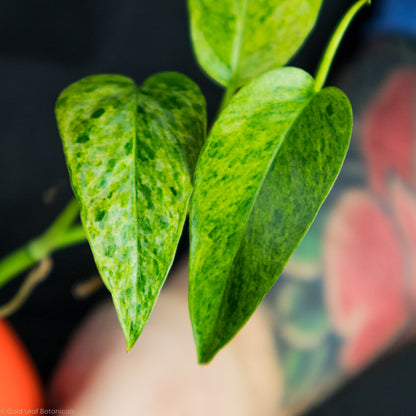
column 131, row 153
column 238, row 40
column 269, row 163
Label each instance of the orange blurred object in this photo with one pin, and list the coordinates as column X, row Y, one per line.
column 20, row 387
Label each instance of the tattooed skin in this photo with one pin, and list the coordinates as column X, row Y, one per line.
column 348, row 294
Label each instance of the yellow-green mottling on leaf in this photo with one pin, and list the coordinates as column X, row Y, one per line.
column 238, row 40
column 268, row 164
column 131, row 153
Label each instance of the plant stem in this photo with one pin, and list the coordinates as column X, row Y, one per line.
column 15, row 264
column 226, row 98
column 331, row 49
column 59, row 235
column 62, row 223
column 71, row 237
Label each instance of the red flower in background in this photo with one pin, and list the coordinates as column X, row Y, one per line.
column 370, row 240
column 20, row 388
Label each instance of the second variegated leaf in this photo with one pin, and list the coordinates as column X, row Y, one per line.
column 238, row 40
column 268, row 164
column 131, row 153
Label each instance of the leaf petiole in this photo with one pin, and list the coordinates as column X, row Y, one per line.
column 63, row 222
column 332, row 47
column 59, row 235
column 226, row 98
column 72, row 236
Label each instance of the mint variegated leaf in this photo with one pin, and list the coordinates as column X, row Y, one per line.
column 238, row 40
column 131, row 152
column 269, row 162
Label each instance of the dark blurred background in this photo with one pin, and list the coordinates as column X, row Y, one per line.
column 44, row 46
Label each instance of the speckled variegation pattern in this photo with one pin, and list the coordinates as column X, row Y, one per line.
column 268, row 164
column 237, row 40
column 131, row 153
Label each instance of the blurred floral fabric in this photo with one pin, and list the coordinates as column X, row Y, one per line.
column 349, row 292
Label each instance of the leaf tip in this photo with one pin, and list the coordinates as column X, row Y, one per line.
column 130, row 342
column 207, row 352
column 131, row 329
column 204, row 359
column 131, row 338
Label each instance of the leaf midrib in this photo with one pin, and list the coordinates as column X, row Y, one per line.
column 134, row 154
column 238, row 43
column 142, row 93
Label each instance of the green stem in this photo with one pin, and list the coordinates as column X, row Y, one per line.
column 57, row 236
column 331, row 49
column 16, row 263
column 74, row 235
column 226, row 98
column 65, row 219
